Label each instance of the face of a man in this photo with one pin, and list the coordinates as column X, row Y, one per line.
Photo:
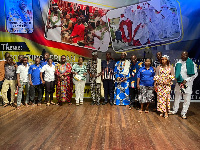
column 107, row 56
column 46, row 56
column 7, row 55
column 159, row 55
column 22, row 4
column 9, row 60
column 134, row 59
column 63, row 59
column 20, row 58
column 123, row 56
column 96, row 13
column 184, row 56
column 37, row 61
column 67, row 17
column 25, row 61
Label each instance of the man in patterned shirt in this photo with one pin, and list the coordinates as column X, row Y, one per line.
column 94, row 70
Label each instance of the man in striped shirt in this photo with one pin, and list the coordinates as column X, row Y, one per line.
column 108, row 78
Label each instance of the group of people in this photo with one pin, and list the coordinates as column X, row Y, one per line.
column 81, row 25
column 125, row 83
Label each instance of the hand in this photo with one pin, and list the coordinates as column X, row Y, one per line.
column 98, row 75
column 19, row 85
column 167, row 82
column 62, row 78
column 155, row 88
column 48, row 27
column 85, row 74
column 54, row 26
column 123, row 79
column 92, row 75
column 43, row 82
column 60, row 75
column 138, row 87
column 31, row 83
column 184, row 82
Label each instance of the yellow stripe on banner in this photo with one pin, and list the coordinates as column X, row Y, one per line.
column 35, row 48
column 96, row 4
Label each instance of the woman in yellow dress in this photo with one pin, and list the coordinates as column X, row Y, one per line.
column 163, row 81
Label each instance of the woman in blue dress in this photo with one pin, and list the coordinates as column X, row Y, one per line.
column 122, row 75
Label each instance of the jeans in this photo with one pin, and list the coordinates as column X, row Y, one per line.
column 20, row 90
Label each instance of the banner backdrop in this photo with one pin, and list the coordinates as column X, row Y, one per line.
column 75, row 28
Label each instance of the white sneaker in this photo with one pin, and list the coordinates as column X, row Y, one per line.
column 183, row 116
column 172, row 112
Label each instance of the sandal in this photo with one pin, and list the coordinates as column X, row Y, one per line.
column 166, row 116
column 140, row 111
column 5, row 105
column 26, row 105
column 52, row 103
column 146, row 111
column 48, row 104
column 161, row 115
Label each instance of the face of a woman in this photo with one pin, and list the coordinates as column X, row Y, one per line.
column 164, row 60
column 147, row 62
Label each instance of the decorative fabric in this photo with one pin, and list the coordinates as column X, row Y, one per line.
column 121, row 94
column 64, row 88
column 146, row 94
column 163, row 93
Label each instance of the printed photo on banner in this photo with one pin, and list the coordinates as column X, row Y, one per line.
column 77, row 24
column 19, row 16
column 146, row 24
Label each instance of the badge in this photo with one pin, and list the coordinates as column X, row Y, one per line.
column 132, row 84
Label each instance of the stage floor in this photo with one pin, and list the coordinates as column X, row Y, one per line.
column 96, row 127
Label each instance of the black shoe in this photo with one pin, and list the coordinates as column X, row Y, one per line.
column 104, row 103
column 97, row 103
column 13, row 105
column 111, row 103
column 93, row 103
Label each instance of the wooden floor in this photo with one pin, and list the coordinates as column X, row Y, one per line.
column 96, row 127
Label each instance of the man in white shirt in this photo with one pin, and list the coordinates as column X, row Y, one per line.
column 186, row 72
column 22, row 80
column 48, row 81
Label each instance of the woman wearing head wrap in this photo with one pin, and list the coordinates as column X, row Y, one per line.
column 162, row 84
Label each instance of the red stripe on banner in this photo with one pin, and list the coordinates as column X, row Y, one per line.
column 38, row 37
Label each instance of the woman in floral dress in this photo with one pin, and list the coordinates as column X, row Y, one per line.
column 162, row 84
column 64, row 86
